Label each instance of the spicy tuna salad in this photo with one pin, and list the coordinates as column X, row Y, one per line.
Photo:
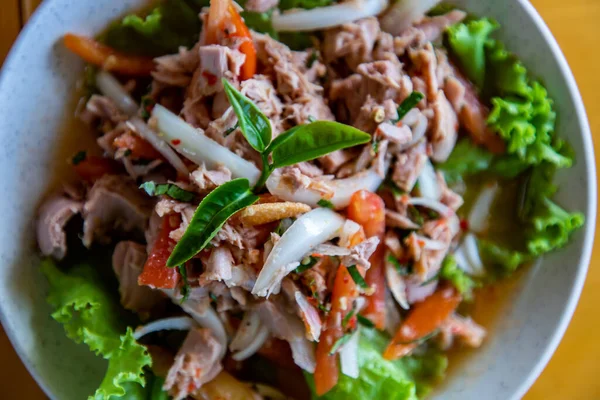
column 296, row 198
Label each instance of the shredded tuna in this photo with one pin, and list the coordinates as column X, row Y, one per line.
column 462, row 328
column 208, row 179
column 54, row 214
column 396, row 220
column 292, row 177
column 306, row 311
column 425, row 65
column 449, row 197
column 101, row 108
column 408, row 166
column 353, row 41
column 176, row 69
column 260, row 6
column 444, row 130
column 433, row 27
column 114, row 204
column 196, row 363
column 128, row 263
column 219, row 265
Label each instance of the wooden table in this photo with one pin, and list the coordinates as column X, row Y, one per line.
column 572, row 372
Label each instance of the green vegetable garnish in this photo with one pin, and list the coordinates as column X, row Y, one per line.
column 339, row 343
column 364, row 321
column 357, row 277
column 169, row 189
column 325, row 204
column 79, row 157
column 306, row 264
column 408, row 104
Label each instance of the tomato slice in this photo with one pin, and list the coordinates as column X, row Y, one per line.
column 156, row 274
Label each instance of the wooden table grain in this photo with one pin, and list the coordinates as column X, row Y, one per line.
column 572, row 372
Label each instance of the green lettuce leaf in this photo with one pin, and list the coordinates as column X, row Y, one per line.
column 503, row 259
column 457, row 277
column 92, row 316
column 404, row 379
column 172, row 24
column 467, row 43
column 465, row 160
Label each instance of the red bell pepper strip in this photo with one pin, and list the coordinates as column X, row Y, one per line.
column 368, row 210
column 224, row 21
column 424, row 318
column 156, row 274
column 107, row 58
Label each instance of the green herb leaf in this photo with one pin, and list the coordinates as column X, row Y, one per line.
column 185, row 288
column 401, row 268
column 364, row 321
column 253, row 123
column 284, row 225
column 212, row 213
column 339, row 343
column 348, row 317
column 169, row 189
column 357, row 277
column 325, row 204
column 306, row 264
column 408, row 104
column 307, row 142
column 79, row 157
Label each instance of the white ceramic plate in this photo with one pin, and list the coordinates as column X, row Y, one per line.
column 36, row 84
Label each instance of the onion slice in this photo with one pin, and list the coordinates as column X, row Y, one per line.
column 404, row 13
column 112, row 88
column 472, row 254
column 343, row 189
column 194, row 145
column 440, row 208
column 249, row 327
column 308, row 231
column 327, row 17
column 396, row 285
column 257, row 342
column 478, row 217
column 428, row 183
column 163, row 148
column 165, row 324
column 349, row 356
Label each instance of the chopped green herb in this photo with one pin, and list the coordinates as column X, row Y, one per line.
column 284, row 225
column 185, row 288
column 213, row 297
column 401, row 268
column 79, row 157
column 340, row 343
column 148, row 104
column 348, row 317
column 127, row 153
column 323, row 308
column 415, row 215
column 357, row 277
column 169, row 189
column 364, row 321
column 314, row 56
column 431, row 280
column 229, row 131
column 375, row 145
column 325, row 204
column 408, row 104
column 306, row 264
column 311, row 118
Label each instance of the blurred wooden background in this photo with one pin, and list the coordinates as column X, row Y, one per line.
column 571, row 374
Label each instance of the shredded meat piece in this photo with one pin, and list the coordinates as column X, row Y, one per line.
column 219, row 265
column 462, row 328
column 101, row 108
column 332, row 162
column 114, row 204
column 292, row 177
column 305, row 310
column 167, row 206
column 408, row 167
column 444, row 130
column 176, row 69
column 353, row 41
column 261, row 91
column 449, row 197
column 396, row 220
column 433, row 27
column 399, row 134
column 216, row 62
column 207, row 179
column 306, row 108
column 425, row 65
column 260, row 6
column 372, row 113
column 128, row 263
column 196, row 363
column 428, row 261
column 54, row 214
column 410, row 38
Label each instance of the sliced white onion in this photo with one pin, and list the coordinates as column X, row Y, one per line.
column 349, row 356
column 472, row 254
column 166, row 324
column 418, row 122
column 194, row 145
column 112, row 88
column 163, row 148
column 440, row 208
column 428, row 183
column 478, row 217
column 327, row 17
column 207, row 318
column 343, row 189
column 308, row 231
column 247, row 331
column 461, row 260
column 404, row 13
column 396, row 284
column 258, row 340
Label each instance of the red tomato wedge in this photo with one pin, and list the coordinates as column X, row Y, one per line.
column 138, row 147
column 156, row 274
column 108, row 58
column 93, row 168
column 424, row 318
column 368, row 210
